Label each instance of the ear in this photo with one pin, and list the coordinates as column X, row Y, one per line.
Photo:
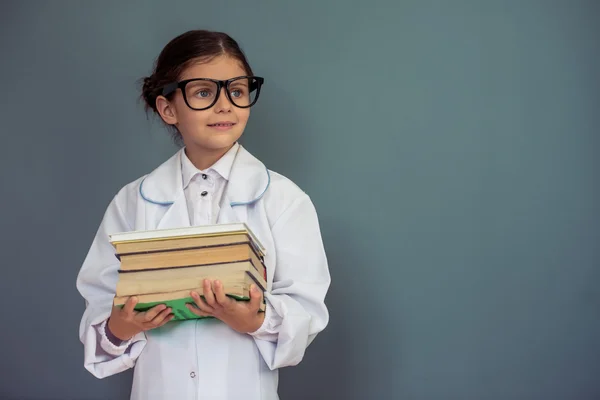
column 166, row 109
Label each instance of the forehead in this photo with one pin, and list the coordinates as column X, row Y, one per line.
column 222, row 68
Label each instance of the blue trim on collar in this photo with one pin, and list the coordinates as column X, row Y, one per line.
column 166, row 203
column 233, row 204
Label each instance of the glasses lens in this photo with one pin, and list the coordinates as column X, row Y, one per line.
column 201, row 94
column 243, row 91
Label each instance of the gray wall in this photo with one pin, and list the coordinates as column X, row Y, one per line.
column 451, row 148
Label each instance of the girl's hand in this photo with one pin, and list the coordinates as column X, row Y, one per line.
column 125, row 323
column 241, row 316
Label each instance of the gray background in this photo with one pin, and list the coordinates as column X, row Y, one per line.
column 451, row 149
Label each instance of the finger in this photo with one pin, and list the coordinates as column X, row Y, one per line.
column 155, row 324
column 194, row 309
column 157, row 321
column 256, row 297
column 151, row 313
column 129, row 305
column 167, row 319
column 201, row 303
column 209, row 296
column 220, row 296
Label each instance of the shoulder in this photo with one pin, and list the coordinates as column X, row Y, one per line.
column 283, row 188
column 125, row 202
column 284, row 196
column 158, row 185
column 130, row 190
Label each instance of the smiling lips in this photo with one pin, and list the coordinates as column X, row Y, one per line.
column 222, row 126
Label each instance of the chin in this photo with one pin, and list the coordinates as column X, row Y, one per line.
column 217, row 143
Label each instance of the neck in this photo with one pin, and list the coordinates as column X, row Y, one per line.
column 203, row 158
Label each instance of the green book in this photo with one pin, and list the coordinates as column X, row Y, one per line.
column 179, row 310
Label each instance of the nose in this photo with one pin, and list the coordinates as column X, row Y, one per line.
column 223, row 104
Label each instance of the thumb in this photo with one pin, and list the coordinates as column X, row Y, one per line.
column 256, row 297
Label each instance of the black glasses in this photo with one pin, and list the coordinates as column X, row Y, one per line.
column 203, row 93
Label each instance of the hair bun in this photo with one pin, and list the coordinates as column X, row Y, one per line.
column 149, row 92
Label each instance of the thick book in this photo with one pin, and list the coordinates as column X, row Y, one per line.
column 118, row 240
column 177, row 300
column 173, row 279
column 192, row 256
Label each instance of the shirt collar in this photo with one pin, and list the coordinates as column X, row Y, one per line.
column 222, row 167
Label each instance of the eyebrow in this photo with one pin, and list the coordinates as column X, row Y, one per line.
column 200, row 83
column 243, row 82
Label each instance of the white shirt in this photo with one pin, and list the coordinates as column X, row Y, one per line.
column 204, row 189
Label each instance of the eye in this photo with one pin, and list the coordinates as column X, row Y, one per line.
column 204, row 93
column 238, row 92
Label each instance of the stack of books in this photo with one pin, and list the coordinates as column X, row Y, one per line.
column 164, row 266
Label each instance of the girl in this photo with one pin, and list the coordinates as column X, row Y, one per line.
column 203, row 87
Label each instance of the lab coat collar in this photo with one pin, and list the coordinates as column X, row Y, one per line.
column 249, row 179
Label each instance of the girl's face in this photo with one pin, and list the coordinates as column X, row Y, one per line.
column 217, row 128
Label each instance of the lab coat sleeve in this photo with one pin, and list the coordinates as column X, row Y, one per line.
column 96, row 282
column 295, row 306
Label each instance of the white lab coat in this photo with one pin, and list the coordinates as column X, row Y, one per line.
column 205, row 359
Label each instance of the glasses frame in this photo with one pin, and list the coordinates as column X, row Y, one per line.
column 171, row 87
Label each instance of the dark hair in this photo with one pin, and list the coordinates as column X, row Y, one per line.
column 180, row 53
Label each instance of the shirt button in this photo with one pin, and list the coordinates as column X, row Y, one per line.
column 204, row 176
column 204, row 193
column 192, row 374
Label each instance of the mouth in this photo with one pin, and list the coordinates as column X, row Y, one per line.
column 222, row 125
